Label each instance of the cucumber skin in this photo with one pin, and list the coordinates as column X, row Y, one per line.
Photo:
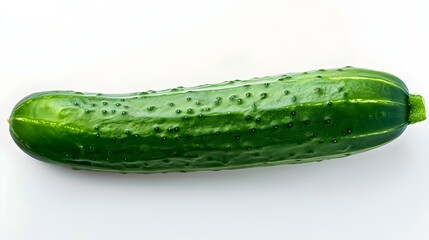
column 283, row 119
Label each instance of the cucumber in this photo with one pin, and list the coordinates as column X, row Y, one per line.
column 282, row 119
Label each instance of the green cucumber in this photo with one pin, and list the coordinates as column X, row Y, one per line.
column 282, row 119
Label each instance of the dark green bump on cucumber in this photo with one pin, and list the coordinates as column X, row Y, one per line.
column 283, row 119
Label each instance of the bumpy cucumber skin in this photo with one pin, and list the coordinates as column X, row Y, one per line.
column 282, row 119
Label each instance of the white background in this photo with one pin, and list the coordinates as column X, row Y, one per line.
column 124, row 46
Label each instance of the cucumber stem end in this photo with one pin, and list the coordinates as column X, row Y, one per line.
column 417, row 111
